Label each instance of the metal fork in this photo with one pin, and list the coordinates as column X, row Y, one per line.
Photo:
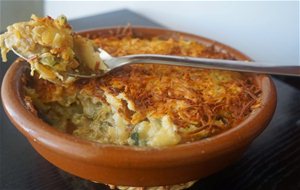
column 243, row 66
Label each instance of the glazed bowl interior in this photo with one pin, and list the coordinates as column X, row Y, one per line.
column 136, row 166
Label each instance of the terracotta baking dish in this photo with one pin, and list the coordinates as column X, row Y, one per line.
column 131, row 166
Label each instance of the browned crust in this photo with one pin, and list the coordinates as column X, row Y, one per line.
column 157, row 90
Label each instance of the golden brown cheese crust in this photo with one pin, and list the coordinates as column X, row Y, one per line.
column 189, row 96
column 200, row 102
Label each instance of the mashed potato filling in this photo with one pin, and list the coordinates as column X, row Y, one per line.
column 92, row 119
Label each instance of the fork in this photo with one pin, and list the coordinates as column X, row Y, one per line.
column 207, row 63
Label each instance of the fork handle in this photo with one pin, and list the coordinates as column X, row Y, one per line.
column 243, row 66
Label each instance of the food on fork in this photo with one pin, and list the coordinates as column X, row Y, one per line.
column 51, row 48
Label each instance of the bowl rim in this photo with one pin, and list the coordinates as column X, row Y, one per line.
column 38, row 131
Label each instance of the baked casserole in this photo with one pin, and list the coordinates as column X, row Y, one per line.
column 148, row 105
column 144, row 105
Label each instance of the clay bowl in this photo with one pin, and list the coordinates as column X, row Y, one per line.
column 131, row 166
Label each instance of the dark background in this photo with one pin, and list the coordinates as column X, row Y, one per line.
column 271, row 162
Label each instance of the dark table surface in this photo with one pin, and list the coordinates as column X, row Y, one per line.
column 271, row 162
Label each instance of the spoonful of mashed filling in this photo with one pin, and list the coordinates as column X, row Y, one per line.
column 52, row 48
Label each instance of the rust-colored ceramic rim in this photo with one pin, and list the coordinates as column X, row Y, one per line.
column 133, row 166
